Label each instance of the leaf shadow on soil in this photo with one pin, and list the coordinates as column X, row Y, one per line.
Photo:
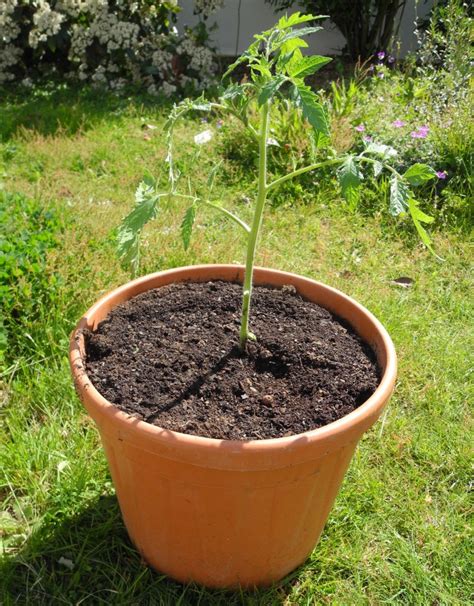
column 89, row 559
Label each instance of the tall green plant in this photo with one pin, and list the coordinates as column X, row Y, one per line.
column 277, row 68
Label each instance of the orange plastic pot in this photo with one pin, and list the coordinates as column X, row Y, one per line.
column 219, row 512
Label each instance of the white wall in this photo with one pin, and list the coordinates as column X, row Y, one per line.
column 257, row 15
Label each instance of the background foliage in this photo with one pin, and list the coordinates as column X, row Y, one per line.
column 106, row 42
column 367, row 25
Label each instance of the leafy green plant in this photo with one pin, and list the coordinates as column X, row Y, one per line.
column 277, row 69
column 29, row 232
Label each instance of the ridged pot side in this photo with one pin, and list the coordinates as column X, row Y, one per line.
column 229, row 513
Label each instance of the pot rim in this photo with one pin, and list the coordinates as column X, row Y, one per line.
column 363, row 416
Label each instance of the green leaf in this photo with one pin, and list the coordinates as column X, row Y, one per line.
column 128, row 234
column 380, row 149
column 270, row 89
column 293, row 45
column 350, row 177
column 147, row 180
column 418, row 213
column 295, row 19
column 378, row 167
column 212, row 175
column 418, row 217
column 285, row 58
column 307, row 66
column 399, row 196
column 247, row 56
column 233, row 92
column 262, row 68
column 313, row 111
column 187, row 226
column 296, row 33
column 418, row 174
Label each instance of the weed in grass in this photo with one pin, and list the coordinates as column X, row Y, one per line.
column 30, row 231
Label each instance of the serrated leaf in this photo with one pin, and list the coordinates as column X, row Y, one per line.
column 418, row 174
column 145, row 189
column 378, row 167
column 128, row 234
column 350, row 177
column 262, row 68
column 246, row 56
column 187, row 226
column 307, row 66
column 298, row 33
column 381, row 149
column 232, row 92
column 313, row 111
column 418, row 213
column 295, row 19
column 293, row 46
column 201, row 107
column 419, row 216
column 270, row 89
column 399, row 196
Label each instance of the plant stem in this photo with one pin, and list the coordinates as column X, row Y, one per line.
column 227, row 213
column 387, row 166
column 245, row 334
column 301, row 171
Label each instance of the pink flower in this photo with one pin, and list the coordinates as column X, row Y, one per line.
column 420, row 133
column 360, row 128
column 441, row 174
column 398, row 123
column 367, row 138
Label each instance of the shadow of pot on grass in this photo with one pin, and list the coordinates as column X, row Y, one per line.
column 89, row 559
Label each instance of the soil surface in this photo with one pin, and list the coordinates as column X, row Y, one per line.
column 171, row 357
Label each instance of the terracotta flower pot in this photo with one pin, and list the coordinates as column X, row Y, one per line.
column 219, row 512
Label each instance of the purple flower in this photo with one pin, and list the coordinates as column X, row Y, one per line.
column 391, row 59
column 367, row 138
column 360, row 128
column 381, row 55
column 381, row 75
column 441, row 174
column 398, row 123
column 420, row 133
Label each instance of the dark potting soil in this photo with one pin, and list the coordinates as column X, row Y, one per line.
column 171, row 357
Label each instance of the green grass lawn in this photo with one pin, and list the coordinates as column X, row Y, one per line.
column 399, row 532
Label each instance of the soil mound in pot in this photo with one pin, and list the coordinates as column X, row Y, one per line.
column 170, row 357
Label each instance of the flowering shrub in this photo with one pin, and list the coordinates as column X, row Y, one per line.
column 105, row 42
